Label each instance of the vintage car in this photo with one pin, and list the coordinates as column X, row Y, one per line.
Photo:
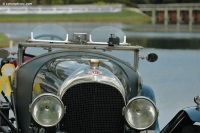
column 86, row 84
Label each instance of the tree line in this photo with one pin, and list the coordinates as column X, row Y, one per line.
column 125, row 2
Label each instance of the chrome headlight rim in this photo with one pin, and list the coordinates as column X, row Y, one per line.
column 34, row 102
column 140, row 98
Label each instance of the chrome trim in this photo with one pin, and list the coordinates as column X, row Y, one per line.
column 146, row 98
column 32, row 39
column 136, row 59
column 20, row 54
column 124, row 43
column 88, row 75
column 136, row 64
column 47, row 94
column 142, row 97
column 78, row 46
column 139, row 83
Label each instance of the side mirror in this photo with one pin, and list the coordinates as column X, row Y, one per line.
column 152, row 57
column 4, row 53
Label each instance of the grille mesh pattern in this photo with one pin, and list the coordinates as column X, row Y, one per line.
column 93, row 108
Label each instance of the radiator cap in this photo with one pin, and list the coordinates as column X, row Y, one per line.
column 94, row 63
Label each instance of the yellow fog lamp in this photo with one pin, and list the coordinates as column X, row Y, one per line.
column 47, row 110
column 140, row 113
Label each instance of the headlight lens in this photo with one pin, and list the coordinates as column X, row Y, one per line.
column 47, row 110
column 140, row 113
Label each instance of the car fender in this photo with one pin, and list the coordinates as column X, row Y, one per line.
column 193, row 113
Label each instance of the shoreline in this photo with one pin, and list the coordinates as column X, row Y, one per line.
column 125, row 16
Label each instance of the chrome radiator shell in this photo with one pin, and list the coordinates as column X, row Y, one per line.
column 94, row 99
column 89, row 75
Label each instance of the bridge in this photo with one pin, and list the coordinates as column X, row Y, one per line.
column 173, row 13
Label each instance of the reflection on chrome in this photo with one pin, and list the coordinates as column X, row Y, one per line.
column 47, row 109
column 56, row 71
column 140, row 113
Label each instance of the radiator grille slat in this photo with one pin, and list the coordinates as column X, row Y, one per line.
column 93, row 108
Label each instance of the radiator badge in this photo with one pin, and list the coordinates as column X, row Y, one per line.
column 95, row 72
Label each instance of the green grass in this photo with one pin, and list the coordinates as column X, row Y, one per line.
column 125, row 17
column 4, row 40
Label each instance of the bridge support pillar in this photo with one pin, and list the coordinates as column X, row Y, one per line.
column 153, row 18
column 178, row 19
column 191, row 19
column 166, row 17
column 178, row 16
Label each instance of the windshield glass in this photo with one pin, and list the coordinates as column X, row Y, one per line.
column 49, row 32
column 103, row 33
column 99, row 34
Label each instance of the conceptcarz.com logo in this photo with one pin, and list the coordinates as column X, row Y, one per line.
column 16, row 4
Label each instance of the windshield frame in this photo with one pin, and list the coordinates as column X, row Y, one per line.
column 23, row 45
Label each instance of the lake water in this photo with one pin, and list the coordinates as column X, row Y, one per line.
column 175, row 77
column 148, row 31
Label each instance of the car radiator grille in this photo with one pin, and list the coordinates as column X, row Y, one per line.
column 93, row 108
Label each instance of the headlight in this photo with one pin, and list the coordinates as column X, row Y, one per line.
column 47, row 110
column 140, row 113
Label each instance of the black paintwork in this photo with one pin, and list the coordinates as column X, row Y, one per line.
column 183, row 118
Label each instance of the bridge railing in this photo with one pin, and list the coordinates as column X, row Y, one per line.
column 182, row 6
column 60, row 9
